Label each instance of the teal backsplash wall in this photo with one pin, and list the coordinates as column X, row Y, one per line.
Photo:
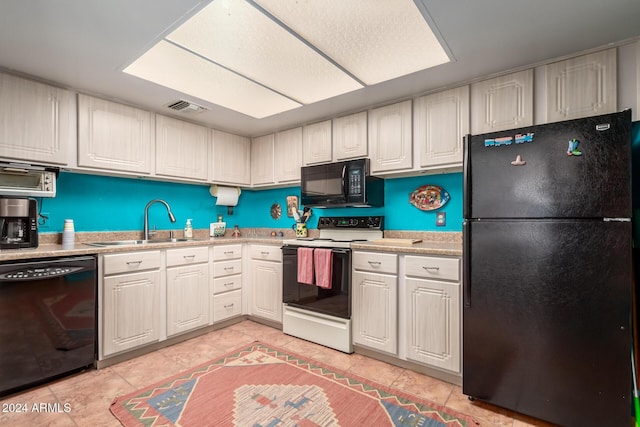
column 102, row 203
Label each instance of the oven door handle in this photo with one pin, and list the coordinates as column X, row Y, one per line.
column 341, row 251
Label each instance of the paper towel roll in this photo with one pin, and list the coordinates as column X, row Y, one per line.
column 226, row 196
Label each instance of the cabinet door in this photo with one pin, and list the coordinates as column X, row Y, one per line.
column 502, row 103
column 288, row 155
column 262, row 160
column 181, row 149
column 375, row 321
column 113, row 136
column 440, row 121
column 187, row 298
column 316, row 143
column 433, row 321
column 390, row 137
column 350, row 136
column 231, row 158
column 131, row 315
column 38, row 121
column 266, row 289
column 582, row 87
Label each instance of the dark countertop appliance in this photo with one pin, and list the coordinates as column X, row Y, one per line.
column 18, row 223
column 341, row 184
column 548, row 272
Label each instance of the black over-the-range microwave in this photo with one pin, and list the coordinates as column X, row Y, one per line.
column 341, row 184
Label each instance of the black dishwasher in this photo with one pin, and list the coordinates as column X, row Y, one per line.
column 47, row 320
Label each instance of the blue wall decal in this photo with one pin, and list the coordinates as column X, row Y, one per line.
column 104, row 203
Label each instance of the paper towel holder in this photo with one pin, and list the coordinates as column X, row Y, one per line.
column 213, row 190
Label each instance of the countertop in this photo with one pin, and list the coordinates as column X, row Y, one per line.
column 432, row 244
column 426, row 247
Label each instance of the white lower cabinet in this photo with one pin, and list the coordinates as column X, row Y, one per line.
column 226, row 285
column 375, row 301
column 432, row 311
column 408, row 306
column 131, row 301
column 266, row 282
column 187, row 289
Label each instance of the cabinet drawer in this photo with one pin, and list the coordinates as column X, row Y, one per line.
column 131, row 261
column 185, row 256
column 227, row 283
column 226, row 268
column 266, row 252
column 433, row 267
column 227, row 305
column 227, row 252
column 378, row 262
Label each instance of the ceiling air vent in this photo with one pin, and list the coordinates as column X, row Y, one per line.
column 186, row 106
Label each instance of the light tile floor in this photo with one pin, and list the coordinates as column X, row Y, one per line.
column 84, row 399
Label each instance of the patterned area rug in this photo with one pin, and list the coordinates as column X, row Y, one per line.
column 264, row 386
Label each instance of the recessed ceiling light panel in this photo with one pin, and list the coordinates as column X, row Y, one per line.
column 171, row 66
column 240, row 37
column 375, row 41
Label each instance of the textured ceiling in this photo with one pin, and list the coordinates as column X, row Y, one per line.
column 85, row 44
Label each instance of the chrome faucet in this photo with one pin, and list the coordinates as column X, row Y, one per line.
column 146, row 215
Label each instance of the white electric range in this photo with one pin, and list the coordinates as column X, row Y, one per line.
column 323, row 315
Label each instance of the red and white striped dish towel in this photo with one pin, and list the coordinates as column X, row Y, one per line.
column 305, row 265
column 323, row 265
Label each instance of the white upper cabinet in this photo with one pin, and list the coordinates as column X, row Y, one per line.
column 440, row 122
column 390, row 142
column 288, row 155
column 350, row 136
column 581, row 87
column 38, row 121
column 181, row 149
column 316, row 143
column 231, row 158
column 502, row 103
column 262, row 160
column 113, row 136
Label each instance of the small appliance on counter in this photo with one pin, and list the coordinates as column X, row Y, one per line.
column 18, row 223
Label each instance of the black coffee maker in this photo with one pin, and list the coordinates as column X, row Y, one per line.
column 18, row 223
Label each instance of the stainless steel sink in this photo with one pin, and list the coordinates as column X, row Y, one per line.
column 140, row 242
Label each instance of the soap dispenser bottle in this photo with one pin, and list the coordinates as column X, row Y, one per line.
column 188, row 230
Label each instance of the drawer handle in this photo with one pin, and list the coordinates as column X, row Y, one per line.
column 264, row 253
column 228, row 306
column 228, row 268
column 229, row 285
column 431, row 268
column 374, row 263
column 134, row 262
column 228, row 252
column 188, row 256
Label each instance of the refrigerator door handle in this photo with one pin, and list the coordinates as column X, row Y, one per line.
column 466, row 267
column 466, row 183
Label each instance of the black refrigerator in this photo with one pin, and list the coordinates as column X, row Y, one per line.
column 548, row 270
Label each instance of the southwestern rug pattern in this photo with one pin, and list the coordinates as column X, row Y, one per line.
column 263, row 386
